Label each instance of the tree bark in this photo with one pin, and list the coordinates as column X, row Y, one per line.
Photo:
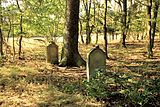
column 10, row 28
column 105, row 29
column 13, row 39
column 149, row 8
column 88, row 36
column 87, row 7
column 81, row 34
column 97, row 34
column 124, row 22
column 1, row 35
column 21, row 36
column 154, row 23
column 1, row 43
column 21, row 30
column 97, row 26
column 71, row 55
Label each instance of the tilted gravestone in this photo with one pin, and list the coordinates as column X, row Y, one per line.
column 96, row 60
column 52, row 53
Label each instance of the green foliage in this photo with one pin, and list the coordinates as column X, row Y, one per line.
column 119, row 89
column 47, row 17
column 97, row 87
column 39, row 17
column 42, row 17
column 71, row 87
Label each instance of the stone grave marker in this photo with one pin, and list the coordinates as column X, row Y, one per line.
column 52, row 53
column 96, row 60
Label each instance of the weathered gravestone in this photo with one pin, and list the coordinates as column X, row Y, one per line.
column 96, row 61
column 52, row 53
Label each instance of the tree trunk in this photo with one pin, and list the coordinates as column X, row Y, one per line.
column 124, row 22
column 21, row 36
column 88, row 36
column 10, row 28
column 1, row 35
column 97, row 33
column 21, row 30
column 13, row 39
column 129, row 17
column 1, row 43
column 105, row 30
column 87, row 7
column 81, row 33
column 154, row 23
column 14, row 49
column 71, row 55
column 149, row 8
column 96, row 12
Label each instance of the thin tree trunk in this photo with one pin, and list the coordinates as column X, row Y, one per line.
column 129, row 17
column 87, row 7
column 14, row 51
column 10, row 28
column 97, row 27
column 20, row 40
column 97, row 37
column 1, row 43
column 124, row 22
column 149, row 8
column 13, row 40
column 88, row 36
column 105, row 30
column 81, row 34
column 94, row 5
column 1, row 35
column 21, row 30
column 65, row 24
column 154, row 23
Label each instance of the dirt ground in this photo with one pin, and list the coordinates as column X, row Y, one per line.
column 32, row 82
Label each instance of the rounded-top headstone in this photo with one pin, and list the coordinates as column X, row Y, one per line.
column 96, row 61
column 52, row 53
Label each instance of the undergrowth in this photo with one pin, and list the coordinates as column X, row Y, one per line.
column 120, row 89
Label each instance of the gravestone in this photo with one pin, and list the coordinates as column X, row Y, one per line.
column 52, row 53
column 96, row 60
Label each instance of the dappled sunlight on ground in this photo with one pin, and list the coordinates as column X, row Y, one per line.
column 33, row 82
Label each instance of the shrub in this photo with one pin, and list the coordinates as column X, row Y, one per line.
column 123, row 89
column 119, row 89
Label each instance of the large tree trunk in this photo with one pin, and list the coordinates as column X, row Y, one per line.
column 71, row 56
column 105, row 30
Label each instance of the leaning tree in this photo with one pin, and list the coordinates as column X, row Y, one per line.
column 70, row 53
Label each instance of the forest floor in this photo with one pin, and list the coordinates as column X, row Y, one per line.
column 32, row 82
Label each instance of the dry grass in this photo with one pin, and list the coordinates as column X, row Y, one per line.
column 33, row 83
